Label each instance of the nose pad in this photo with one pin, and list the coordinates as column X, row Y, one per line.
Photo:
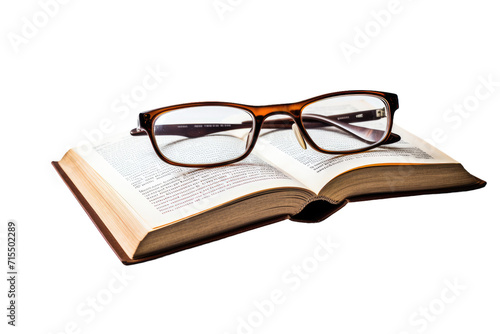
column 298, row 135
column 249, row 139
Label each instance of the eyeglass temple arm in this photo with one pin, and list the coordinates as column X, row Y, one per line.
column 197, row 130
column 366, row 134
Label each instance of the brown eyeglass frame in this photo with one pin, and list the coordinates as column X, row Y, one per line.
column 146, row 123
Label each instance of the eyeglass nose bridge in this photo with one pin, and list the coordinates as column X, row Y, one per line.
column 289, row 121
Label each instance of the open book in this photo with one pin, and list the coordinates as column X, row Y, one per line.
column 146, row 208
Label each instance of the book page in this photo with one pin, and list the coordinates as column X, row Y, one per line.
column 162, row 193
column 316, row 169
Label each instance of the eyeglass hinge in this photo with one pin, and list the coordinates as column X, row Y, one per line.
column 380, row 113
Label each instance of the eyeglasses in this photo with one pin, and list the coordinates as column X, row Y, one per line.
column 210, row 134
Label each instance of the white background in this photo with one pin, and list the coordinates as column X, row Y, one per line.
column 396, row 258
